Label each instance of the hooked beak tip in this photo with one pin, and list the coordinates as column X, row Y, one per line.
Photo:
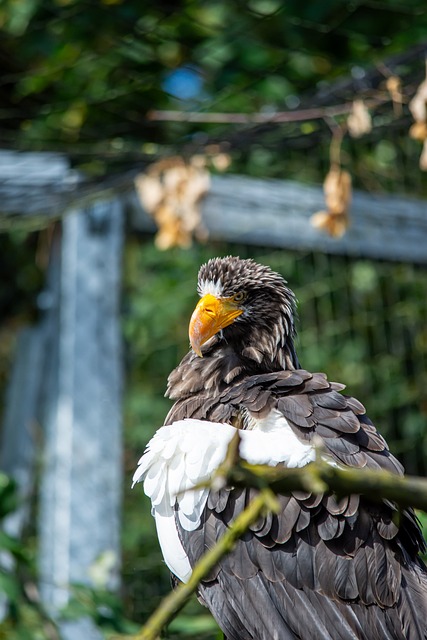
column 197, row 350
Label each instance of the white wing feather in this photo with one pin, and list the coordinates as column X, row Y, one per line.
column 185, row 454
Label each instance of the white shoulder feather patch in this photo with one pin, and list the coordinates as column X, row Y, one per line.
column 188, row 452
column 177, row 458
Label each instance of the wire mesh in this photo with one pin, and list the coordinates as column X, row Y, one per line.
column 363, row 322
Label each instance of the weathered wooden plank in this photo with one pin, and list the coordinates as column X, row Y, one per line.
column 33, row 167
column 35, row 185
column 277, row 213
column 38, row 187
column 237, row 209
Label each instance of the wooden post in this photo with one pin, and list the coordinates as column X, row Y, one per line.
column 80, row 497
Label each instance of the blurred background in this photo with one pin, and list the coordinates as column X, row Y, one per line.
column 144, row 108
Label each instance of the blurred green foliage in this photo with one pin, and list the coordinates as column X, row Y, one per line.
column 84, row 76
column 24, row 618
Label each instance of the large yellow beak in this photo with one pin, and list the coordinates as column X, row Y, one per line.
column 210, row 316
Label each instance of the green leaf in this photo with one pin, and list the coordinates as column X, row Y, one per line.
column 9, row 585
column 14, row 546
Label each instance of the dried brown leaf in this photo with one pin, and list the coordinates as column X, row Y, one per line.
column 394, row 87
column 418, row 131
column 149, row 191
column 359, row 121
column 320, row 220
column 423, row 157
column 418, row 104
column 171, row 192
column 221, row 161
column 335, row 224
column 171, row 232
column 337, row 190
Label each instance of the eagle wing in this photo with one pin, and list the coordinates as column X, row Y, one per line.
column 345, row 567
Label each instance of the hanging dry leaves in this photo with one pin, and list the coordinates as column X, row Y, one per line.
column 418, row 104
column 394, row 87
column 221, row 161
column 171, row 191
column 337, row 189
column 418, row 130
column 218, row 157
column 423, row 157
column 359, row 121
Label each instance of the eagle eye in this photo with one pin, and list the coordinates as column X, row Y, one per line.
column 239, row 296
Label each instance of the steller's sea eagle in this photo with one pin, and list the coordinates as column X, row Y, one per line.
column 323, row 568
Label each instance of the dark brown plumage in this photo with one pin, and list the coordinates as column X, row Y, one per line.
column 324, row 568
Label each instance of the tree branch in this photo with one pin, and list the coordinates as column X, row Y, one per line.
column 319, row 477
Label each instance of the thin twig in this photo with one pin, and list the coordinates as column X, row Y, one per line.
column 300, row 115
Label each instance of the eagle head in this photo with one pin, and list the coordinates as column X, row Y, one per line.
column 248, row 306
